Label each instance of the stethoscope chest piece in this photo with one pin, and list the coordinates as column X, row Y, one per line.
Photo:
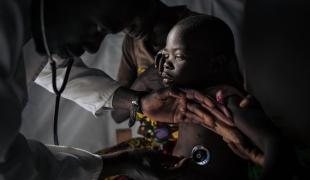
column 201, row 155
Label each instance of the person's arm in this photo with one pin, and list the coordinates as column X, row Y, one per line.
column 276, row 155
column 127, row 74
column 90, row 88
column 279, row 157
column 127, row 71
column 148, row 81
column 12, row 91
column 21, row 158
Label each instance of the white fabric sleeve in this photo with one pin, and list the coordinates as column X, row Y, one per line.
column 21, row 158
column 90, row 88
column 31, row 160
column 86, row 164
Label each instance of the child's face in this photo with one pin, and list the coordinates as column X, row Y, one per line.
column 185, row 64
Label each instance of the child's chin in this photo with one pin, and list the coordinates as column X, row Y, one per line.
column 167, row 83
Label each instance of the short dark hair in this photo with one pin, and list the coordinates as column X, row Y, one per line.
column 204, row 27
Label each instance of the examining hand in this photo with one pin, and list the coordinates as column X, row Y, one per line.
column 165, row 105
column 148, row 81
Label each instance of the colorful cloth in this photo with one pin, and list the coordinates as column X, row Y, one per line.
column 157, row 136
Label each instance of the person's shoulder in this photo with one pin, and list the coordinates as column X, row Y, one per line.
column 130, row 41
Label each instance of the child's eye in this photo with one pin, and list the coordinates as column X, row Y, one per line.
column 179, row 57
column 166, row 56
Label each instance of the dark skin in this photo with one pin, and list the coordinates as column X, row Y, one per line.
column 267, row 147
column 148, row 81
column 279, row 157
column 156, row 26
column 191, row 134
column 97, row 18
column 73, row 27
column 276, row 156
column 186, row 66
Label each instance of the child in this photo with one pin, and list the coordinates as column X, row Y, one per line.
column 192, row 74
column 199, row 54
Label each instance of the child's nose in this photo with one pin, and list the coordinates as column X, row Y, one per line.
column 168, row 65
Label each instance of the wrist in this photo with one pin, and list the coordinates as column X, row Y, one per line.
column 136, row 107
column 129, row 100
column 123, row 97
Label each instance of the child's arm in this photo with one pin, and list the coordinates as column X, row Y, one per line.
column 279, row 157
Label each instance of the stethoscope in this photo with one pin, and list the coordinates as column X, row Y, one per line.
column 57, row 91
column 201, row 155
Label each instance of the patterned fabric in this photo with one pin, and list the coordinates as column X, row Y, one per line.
column 156, row 136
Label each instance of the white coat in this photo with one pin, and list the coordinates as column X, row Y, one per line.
column 26, row 159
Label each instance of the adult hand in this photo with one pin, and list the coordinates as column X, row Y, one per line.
column 247, row 152
column 279, row 158
column 216, row 99
column 165, row 105
column 147, row 164
column 212, row 115
column 149, row 80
